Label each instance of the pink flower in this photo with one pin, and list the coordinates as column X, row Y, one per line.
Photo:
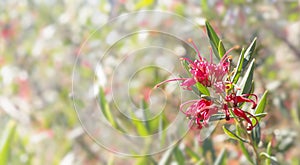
column 204, row 72
column 200, row 70
column 199, row 112
column 188, row 82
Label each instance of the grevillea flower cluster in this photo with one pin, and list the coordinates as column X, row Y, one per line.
column 217, row 78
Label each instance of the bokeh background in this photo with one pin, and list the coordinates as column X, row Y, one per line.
column 39, row 43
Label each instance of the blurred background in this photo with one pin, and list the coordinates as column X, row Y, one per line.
column 39, row 41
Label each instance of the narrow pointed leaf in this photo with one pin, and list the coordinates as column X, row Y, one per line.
column 202, row 89
column 208, row 147
column 139, row 125
column 141, row 129
column 256, row 134
column 246, row 83
column 268, row 161
column 105, row 109
column 233, row 135
column 252, row 87
column 161, row 127
column 249, row 52
column 219, row 51
column 179, row 156
column 146, row 114
column 143, row 4
column 217, row 117
column 221, row 159
column 239, row 68
column 6, row 139
column 185, row 64
column 260, row 115
column 145, row 160
column 193, row 155
column 271, row 158
column 166, row 157
column 242, row 145
column 261, row 105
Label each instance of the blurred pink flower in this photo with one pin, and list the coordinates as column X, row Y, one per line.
column 7, row 30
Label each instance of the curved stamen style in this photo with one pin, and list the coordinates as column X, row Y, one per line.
column 235, row 100
column 243, row 114
column 241, row 99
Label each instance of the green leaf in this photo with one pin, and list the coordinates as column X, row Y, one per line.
column 145, row 160
column 221, row 159
column 246, row 83
column 242, row 145
column 209, row 149
column 249, row 52
column 260, row 115
column 217, row 117
column 204, row 6
column 195, row 157
column 161, row 127
column 295, row 113
column 266, row 155
column 186, row 66
column 215, row 42
column 139, row 125
column 252, row 87
column 221, row 49
column 268, row 161
column 166, row 157
column 233, row 135
column 239, row 68
column 146, row 114
column 105, row 109
column 143, row 3
column 179, row 156
column 261, row 106
column 256, row 134
column 6, row 139
column 202, row 89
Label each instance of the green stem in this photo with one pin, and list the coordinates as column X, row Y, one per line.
column 251, row 143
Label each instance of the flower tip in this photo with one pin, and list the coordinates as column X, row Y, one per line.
column 227, row 118
column 190, row 40
column 157, row 85
column 236, row 47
